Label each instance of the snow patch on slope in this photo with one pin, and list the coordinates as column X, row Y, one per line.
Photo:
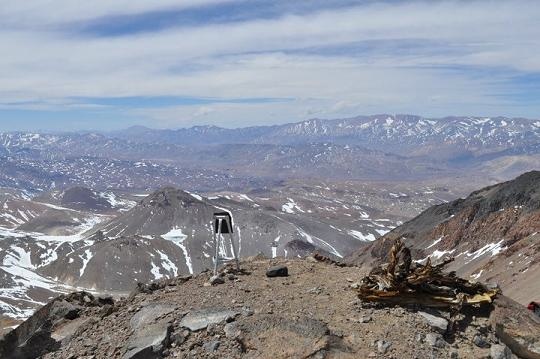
column 86, row 258
column 291, row 206
column 361, row 236
column 176, row 236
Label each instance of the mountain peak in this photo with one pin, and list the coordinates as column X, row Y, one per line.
column 171, row 196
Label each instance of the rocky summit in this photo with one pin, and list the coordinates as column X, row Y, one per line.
column 314, row 312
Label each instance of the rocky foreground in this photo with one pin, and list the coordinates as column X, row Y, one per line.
column 313, row 312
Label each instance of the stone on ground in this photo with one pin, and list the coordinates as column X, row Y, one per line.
column 436, row 323
column 148, row 342
column 500, row 351
column 150, row 332
column 517, row 328
column 200, row 319
column 277, row 271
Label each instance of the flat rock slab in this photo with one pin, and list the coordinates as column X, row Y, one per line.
column 200, row 319
column 437, row 323
column 516, row 327
column 150, row 313
column 67, row 329
column 270, row 336
column 150, row 331
column 148, row 342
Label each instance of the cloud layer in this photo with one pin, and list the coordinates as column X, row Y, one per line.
column 275, row 63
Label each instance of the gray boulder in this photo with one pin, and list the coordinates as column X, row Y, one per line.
column 148, row 342
column 436, row 323
column 151, row 332
column 149, row 313
column 500, row 351
column 516, row 327
column 200, row 319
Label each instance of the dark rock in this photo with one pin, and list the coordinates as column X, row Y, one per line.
column 215, row 280
column 435, row 340
column 480, row 341
column 33, row 338
column 178, row 338
column 277, row 271
column 105, row 300
column 148, row 342
column 151, row 332
column 383, row 346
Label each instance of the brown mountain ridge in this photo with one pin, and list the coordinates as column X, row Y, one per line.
column 493, row 234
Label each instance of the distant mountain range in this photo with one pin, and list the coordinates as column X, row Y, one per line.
column 378, row 147
column 379, row 132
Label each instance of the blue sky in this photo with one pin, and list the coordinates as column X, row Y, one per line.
column 105, row 64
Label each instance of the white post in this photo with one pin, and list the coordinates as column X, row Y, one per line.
column 217, row 240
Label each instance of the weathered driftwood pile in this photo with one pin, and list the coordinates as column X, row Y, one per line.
column 403, row 282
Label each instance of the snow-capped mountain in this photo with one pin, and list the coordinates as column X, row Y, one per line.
column 104, row 241
column 392, row 133
column 378, row 132
column 206, row 158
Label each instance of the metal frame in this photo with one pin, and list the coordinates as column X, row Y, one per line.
column 218, row 240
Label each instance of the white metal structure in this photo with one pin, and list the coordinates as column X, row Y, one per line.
column 223, row 225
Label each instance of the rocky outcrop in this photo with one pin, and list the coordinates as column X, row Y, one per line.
column 49, row 326
column 151, row 329
column 517, row 328
column 492, row 231
column 312, row 313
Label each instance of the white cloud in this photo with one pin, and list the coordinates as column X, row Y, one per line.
column 267, row 58
column 48, row 12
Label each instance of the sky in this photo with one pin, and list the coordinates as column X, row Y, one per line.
column 110, row 64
